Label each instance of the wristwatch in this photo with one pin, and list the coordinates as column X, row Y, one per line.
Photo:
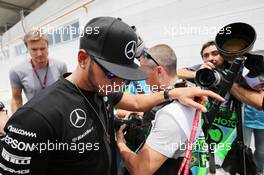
column 167, row 95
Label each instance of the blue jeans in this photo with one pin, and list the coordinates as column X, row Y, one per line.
column 259, row 144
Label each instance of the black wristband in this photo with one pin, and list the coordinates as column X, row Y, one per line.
column 166, row 95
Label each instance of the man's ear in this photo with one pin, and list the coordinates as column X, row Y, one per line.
column 160, row 70
column 82, row 57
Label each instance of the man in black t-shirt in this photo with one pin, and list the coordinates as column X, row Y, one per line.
column 67, row 129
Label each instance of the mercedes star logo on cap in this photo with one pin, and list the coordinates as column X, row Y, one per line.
column 78, row 118
column 130, row 50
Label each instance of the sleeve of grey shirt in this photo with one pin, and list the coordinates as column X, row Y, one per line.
column 166, row 136
column 14, row 79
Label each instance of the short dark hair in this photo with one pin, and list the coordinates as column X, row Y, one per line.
column 205, row 45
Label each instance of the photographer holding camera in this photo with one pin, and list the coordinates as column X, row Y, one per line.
column 213, row 59
column 224, row 123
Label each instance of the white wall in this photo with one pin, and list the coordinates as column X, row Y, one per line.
column 172, row 21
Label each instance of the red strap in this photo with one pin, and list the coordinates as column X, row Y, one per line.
column 43, row 85
column 188, row 153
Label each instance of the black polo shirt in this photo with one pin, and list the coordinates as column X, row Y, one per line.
column 57, row 132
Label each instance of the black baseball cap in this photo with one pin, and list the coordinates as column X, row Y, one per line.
column 112, row 44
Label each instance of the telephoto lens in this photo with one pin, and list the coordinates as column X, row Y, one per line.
column 208, row 78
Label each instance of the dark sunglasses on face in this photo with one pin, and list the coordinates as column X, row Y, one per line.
column 148, row 56
column 213, row 53
column 109, row 75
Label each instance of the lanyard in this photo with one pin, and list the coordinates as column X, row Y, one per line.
column 188, row 154
column 43, row 85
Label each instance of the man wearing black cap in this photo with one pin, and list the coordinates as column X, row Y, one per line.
column 67, row 129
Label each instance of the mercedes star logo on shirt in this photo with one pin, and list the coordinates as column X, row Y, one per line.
column 130, row 49
column 78, row 118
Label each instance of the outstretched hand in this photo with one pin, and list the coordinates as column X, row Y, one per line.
column 187, row 96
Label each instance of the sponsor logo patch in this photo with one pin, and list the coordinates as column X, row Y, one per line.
column 19, row 160
column 5, row 168
column 21, row 132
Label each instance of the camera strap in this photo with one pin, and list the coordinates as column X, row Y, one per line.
column 230, row 109
column 188, row 153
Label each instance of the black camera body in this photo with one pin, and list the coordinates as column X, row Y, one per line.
column 133, row 121
column 135, row 132
column 213, row 78
column 255, row 63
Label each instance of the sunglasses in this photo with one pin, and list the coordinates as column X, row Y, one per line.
column 213, row 53
column 148, row 56
column 109, row 75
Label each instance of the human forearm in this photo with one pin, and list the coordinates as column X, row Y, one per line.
column 185, row 74
column 251, row 98
column 141, row 102
column 129, row 158
column 185, row 96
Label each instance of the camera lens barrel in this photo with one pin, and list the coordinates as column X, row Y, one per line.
column 208, row 78
column 236, row 39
